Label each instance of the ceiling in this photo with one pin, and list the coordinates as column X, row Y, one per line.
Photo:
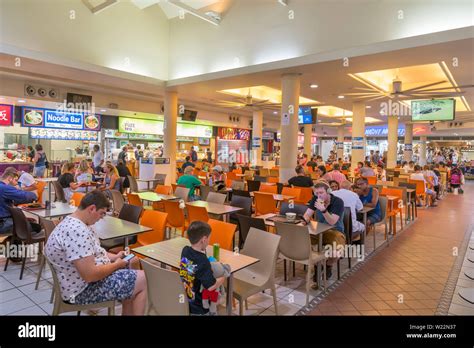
column 333, row 78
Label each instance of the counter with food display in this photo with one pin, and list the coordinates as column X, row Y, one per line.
column 18, row 165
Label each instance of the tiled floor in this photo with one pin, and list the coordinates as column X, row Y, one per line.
column 406, row 278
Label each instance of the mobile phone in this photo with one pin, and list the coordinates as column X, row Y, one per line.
column 128, row 257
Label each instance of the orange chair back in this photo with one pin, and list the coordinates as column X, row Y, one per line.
column 175, row 214
column 272, row 179
column 268, row 188
column 197, row 213
column 237, row 171
column 232, row 176
column 174, row 186
column 306, row 194
column 163, row 190
column 420, row 186
column 77, row 198
column 222, row 233
column 155, row 220
column 228, row 182
column 372, row 180
column 292, row 191
column 387, row 191
column 310, row 169
column 40, row 185
column 264, row 203
column 196, row 171
column 134, row 199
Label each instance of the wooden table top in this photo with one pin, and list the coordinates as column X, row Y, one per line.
column 169, row 253
column 148, row 180
column 154, row 197
column 215, row 208
column 111, row 227
column 314, row 227
column 276, row 197
column 59, row 209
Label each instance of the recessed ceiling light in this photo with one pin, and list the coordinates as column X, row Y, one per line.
column 103, row 110
column 275, row 112
column 313, row 85
column 21, row 101
column 455, row 133
column 368, row 107
column 340, row 97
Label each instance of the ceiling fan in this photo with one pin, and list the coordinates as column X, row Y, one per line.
column 420, row 92
column 248, row 102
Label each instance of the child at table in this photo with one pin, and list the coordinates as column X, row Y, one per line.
column 195, row 268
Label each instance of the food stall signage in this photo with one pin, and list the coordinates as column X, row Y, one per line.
column 234, row 134
column 62, row 134
column 140, row 126
column 47, row 118
column 6, row 115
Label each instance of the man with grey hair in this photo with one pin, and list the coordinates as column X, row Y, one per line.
column 352, row 201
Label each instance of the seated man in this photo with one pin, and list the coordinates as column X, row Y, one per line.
column 369, row 197
column 352, row 201
column 189, row 181
column 9, row 195
column 188, row 163
column 27, row 182
column 335, row 174
column 300, row 180
column 86, row 272
column 329, row 209
column 418, row 175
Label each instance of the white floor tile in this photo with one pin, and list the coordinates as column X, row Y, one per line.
column 298, row 298
column 5, row 285
column 30, row 288
column 253, row 310
column 286, row 308
column 35, row 310
column 282, row 291
column 28, row 278
column 40, row 296
column 15, row 305
column 261, row 300
column 456, row 309
column 9, row 295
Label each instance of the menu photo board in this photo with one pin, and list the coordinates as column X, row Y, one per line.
column 48, row 118
column 62, row 134
column 6, row 115
column 140, row 126
column 234, row 134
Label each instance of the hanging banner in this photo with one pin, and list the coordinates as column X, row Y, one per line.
column 234, row 134
column 256, row 141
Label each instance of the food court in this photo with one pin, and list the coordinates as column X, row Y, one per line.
column 316, row 161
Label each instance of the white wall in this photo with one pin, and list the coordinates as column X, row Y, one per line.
column 259, row 31
column 105, row 39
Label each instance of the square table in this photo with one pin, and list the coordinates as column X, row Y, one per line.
column 111, row 228
column 154, row 197
column 169, row 253
column 49, row 181
column 58, row 209
column 148, row 182
column 216, row 209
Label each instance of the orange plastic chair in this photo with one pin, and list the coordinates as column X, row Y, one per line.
column 272, row 179
column 394, row 208
column 134, row 199
column 175, row 217
column 420, row 189
column 163, row 190
column 228, row 182
column 264, row 203
column 222, row 233
column 310, row 169
column 372, row 180
column 292, row 191
column 196, row 213
column 155, row 220
column 40, row 189
column 174, row 186
column 77, row 198
column 268, row 188
column 306, row 194
column 232, row 176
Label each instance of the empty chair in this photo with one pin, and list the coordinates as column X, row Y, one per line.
column 269, row 189
column 273, row 179
column 182, row 192
column 306, row 194
column 264, row 203
column 196, row 213
column 245, row 223
column 163, row 190
column 155, row 220
column 59, row 195
column 117, row 201
column 48, row 226
column 175, row 216
column 295, row 245
column 222, row 233
column 134, row 199
column 204, row 191
column 215, row 197
column 238, row 185
column 299, row 209
column 77, row 198
column 264, row 172
column 160, row 178
column 129, row 213
column 372, row 180
column 274, row 172
column 397, row 208
column 23, row 232
column 240, row 193
column 383, row 209
column 291, row 191
column 133, row 184
column 253, row 185
column 163, row 288
column 241, row 202
column 261, row 275
column 60, row 306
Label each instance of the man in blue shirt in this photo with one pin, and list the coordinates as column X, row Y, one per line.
column 9, row 195
column 327, row 209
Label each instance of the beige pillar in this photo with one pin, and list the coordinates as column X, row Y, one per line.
column 257, row 125
column 408, row 147
column 308, row 134
column 340, row 142
column 392, row 141
column 358, row 134
column 290, row 87
column 169, row 130
column 422, row 160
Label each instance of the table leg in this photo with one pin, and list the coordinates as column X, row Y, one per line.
column 230, row 293
column 126, row 243
column 49, row 189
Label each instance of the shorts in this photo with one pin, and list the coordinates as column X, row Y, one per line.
column 373, row 218
column 329, row 237
column 116, row 287
column 39, row 171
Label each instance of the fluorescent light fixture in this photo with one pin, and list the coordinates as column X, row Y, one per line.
column 103, row 110
column 340, row 97
column 21, row 101
column 313, row 85
column 368, row 107
column 275, row 112
column 283, row 2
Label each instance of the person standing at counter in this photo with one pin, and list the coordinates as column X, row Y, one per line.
column 31, row 153
column 40, row 161
column 98, row 159
column 193, row 154
column 122, row 156
column 209, row 155
column 9, row 195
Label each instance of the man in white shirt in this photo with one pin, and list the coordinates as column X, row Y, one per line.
column 418, row 175
column 27, row 182
column 98, row 159
column 351, row 200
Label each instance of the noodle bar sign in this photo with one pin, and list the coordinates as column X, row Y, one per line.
column 46, row 118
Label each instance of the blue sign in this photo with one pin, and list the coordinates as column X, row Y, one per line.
column 304, row 115
column 60, row 119
column 380, row 131
column 358, row 143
